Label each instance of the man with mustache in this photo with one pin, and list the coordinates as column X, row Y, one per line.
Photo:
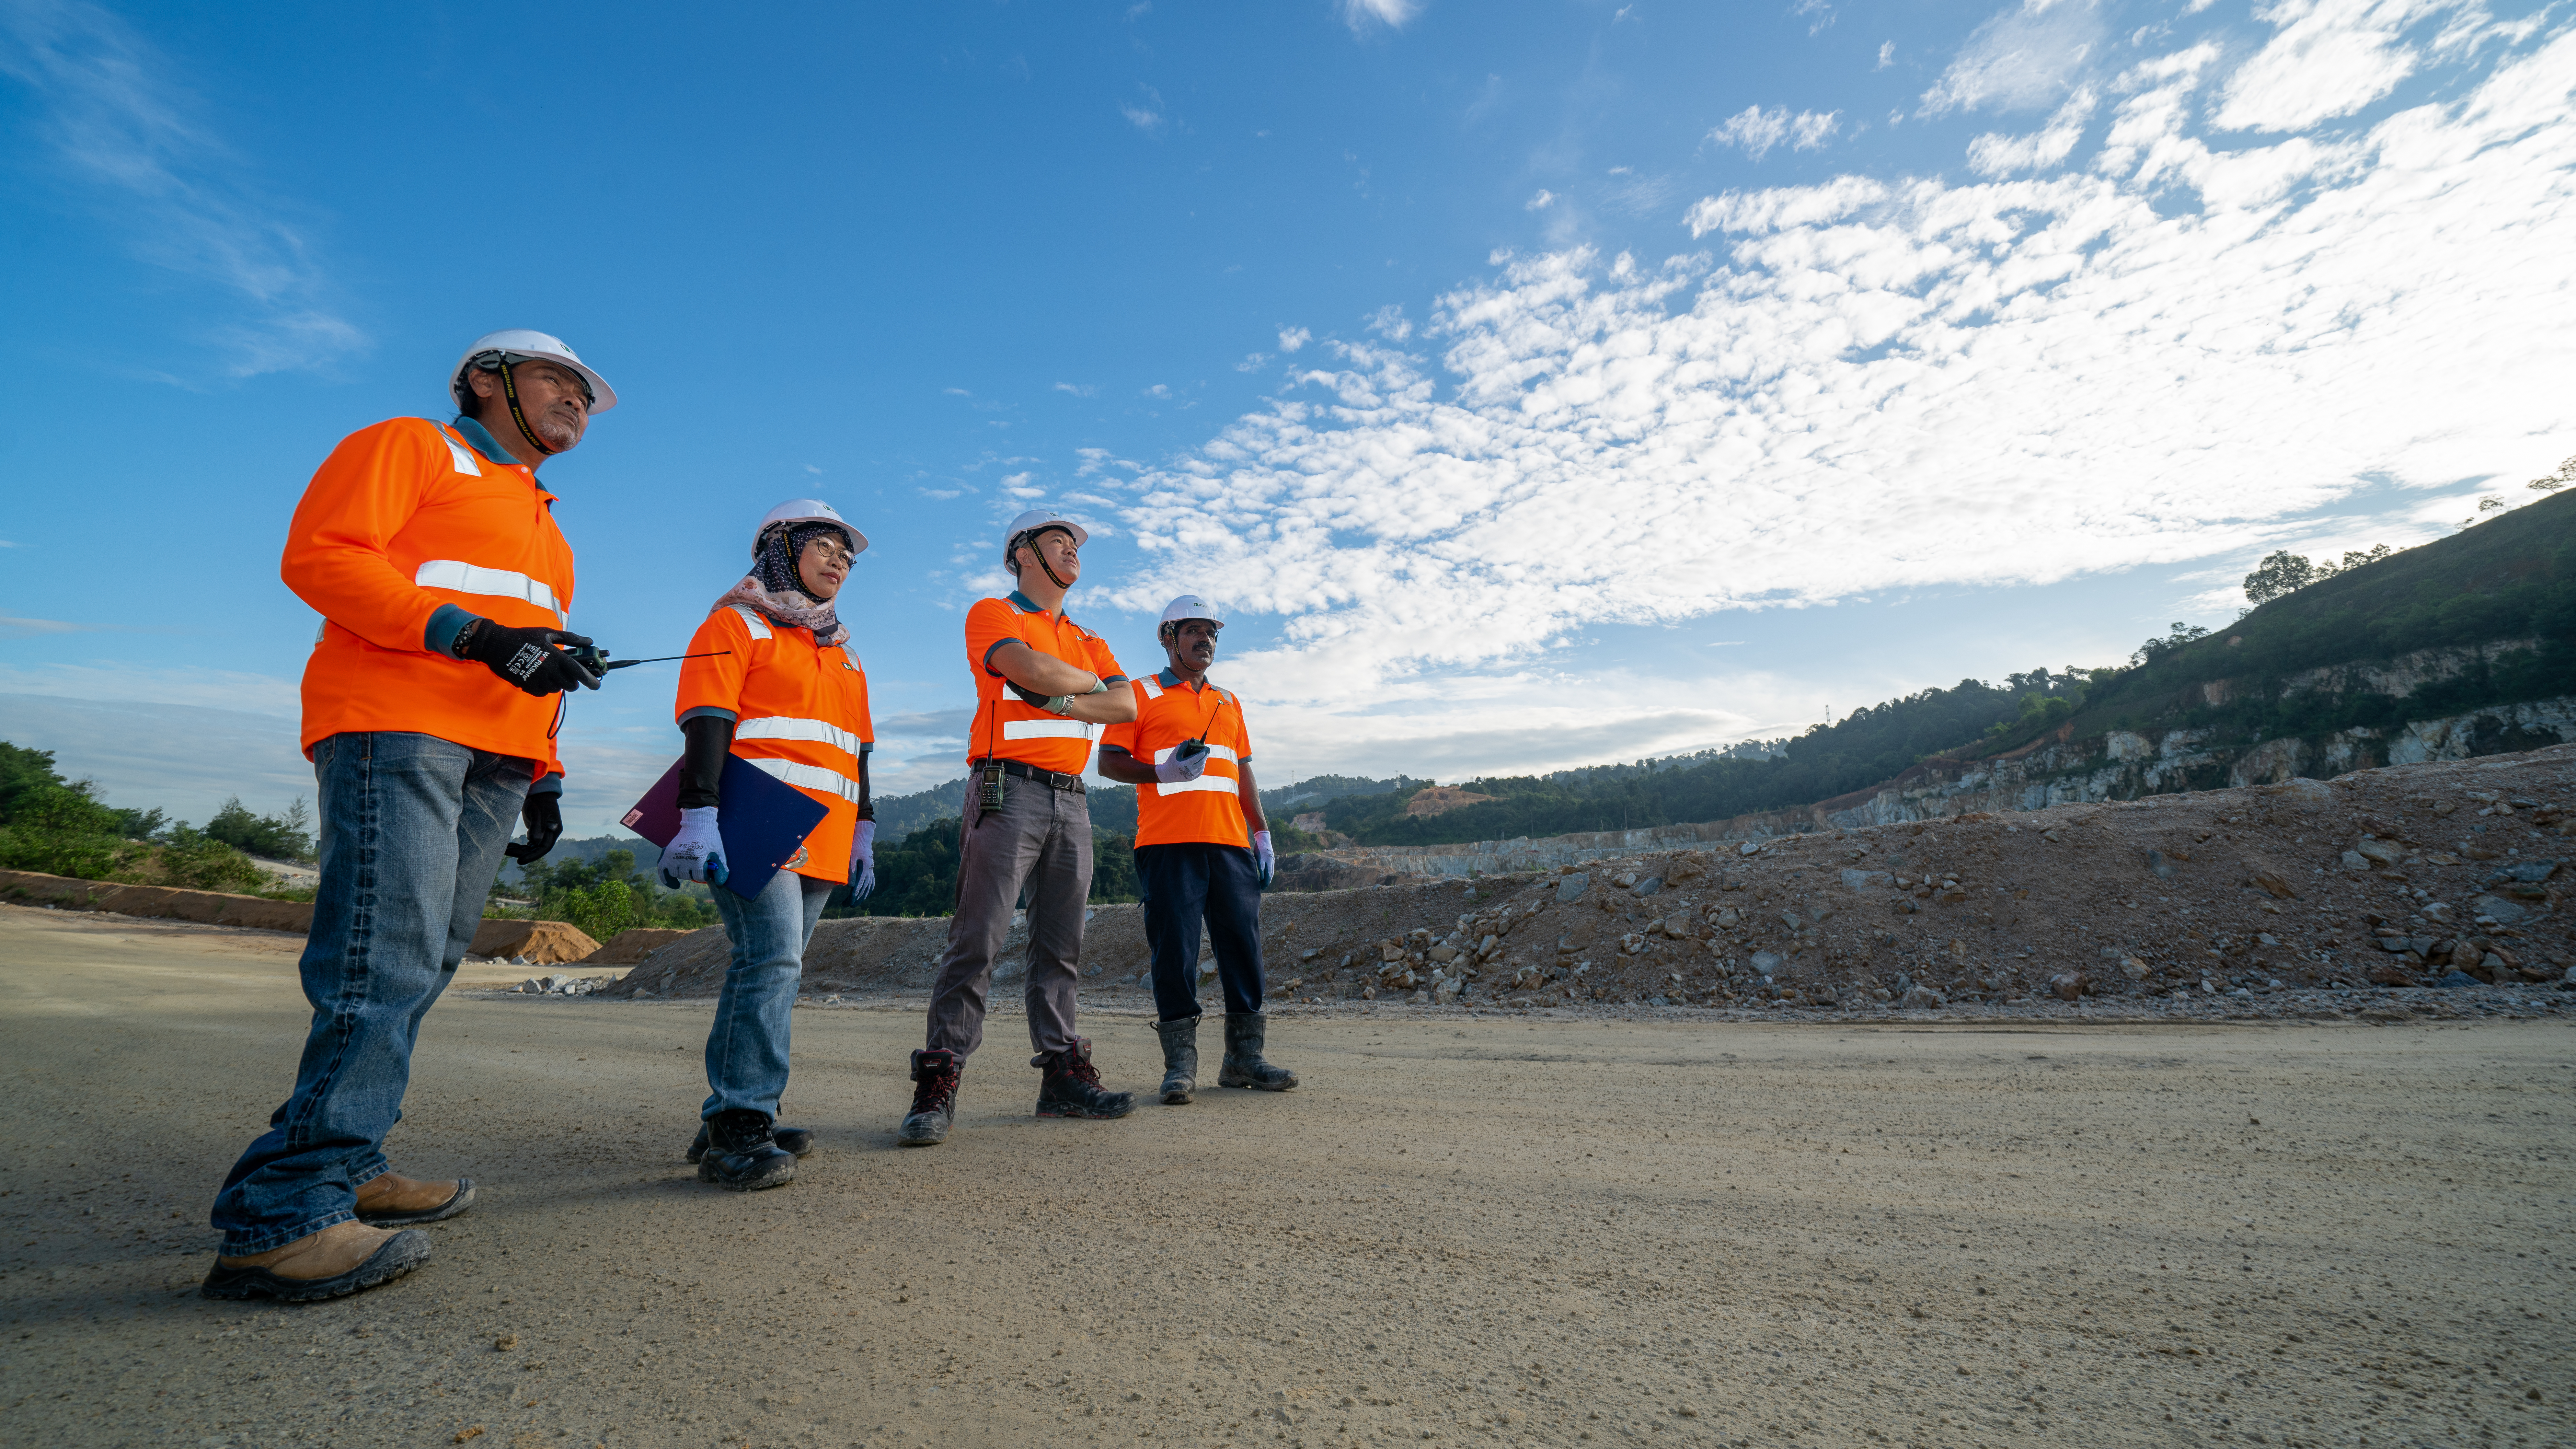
column 432, row 554
column 1043, row 687
column 1202, row 853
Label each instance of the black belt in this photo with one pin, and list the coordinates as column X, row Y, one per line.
column 1032, row 772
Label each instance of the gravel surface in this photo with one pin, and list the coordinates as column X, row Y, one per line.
column 1508, row 1228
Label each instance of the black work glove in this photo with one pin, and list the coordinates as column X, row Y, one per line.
column 529, row 659
column 543, row 815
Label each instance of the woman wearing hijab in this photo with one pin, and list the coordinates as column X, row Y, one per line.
column 782, row 689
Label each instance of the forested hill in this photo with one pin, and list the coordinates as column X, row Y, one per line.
column 2512, row 578
column 1862, row 749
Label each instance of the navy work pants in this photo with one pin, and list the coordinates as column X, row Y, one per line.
column 1184, row 886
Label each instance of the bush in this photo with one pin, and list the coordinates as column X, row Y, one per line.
column 278, row 837
column 194, row 860
column 54, row 825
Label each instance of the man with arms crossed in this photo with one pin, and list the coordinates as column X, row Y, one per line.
column 432, row 555
column 1043, row 686
column 1202, row 852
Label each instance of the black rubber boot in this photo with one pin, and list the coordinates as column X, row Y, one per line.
column 934, row 1099
column 797, row 1141
column 1180, row 1059
column 1072, row 1086
column 1243, row 1066
column 743, row 1154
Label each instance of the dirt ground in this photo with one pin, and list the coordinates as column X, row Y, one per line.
column 1513, row 1228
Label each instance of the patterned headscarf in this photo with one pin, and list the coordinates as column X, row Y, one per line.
column 775, row 589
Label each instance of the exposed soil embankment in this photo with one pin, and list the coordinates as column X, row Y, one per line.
column 2403, row 876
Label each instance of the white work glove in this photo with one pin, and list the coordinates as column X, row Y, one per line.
column 1181, row 767
column 696, row 853
column 863, row 860
column 1265, row 861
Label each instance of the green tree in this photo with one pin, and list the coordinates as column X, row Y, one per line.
column 54, row 825
column 284, row 836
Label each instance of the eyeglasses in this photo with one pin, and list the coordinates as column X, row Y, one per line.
column 828, row 552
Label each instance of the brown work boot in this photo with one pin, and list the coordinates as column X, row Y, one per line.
column 333, row 1263
column 391, row 1200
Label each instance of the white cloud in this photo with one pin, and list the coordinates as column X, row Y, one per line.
column 1148, row 117
column 2023, row 58
column 1078, row 389
column 1886, row 55
column 1253, row 362
column 2329, row 58
column 1540, row 202
column 1360, row 15
column 1758, row 130
column 12, row 627
column 1292, row 338
column 2166, row 351
column 1998, row 155
column 113, row 113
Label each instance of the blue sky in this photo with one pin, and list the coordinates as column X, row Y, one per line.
column 1535, row 384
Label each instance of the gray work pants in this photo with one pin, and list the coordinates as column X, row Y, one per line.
column 1040, row 838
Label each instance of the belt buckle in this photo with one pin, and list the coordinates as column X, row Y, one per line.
column 1059, row 780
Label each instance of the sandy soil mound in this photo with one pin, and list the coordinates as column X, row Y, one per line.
column 2392, row 877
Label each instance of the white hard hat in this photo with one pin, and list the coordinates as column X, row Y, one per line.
column 1041, row 518
column 518, row 344
column 809, row 510
column 1190, row 606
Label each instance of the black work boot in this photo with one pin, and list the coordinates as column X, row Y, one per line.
column 1180, row 1059
column 934, row 1098
column 1072, row 1086
column 1243, row 1066
column 743, row 1154
column 797, row 1141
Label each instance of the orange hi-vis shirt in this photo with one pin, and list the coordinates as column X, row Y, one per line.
column 799, row 711
column 1007, row 727
column 1209, row 808
column 402, row 518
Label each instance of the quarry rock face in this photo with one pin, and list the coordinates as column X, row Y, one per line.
column 1953, row 915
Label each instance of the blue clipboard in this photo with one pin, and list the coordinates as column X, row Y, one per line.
column 763, row 825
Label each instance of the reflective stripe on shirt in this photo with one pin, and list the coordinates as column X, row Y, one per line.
column 1218, row 784
column 465, row 463
column 782, row 727
column 811, row 777
column 460, row 577
column 1215, row 752
column 751, row 620
column 1045, row 729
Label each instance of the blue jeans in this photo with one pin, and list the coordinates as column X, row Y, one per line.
column 747, row 1044
column 1183, row 885
column 411, row 835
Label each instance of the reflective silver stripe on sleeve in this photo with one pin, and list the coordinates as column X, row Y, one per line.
column 751, row 620
column 1153, row 689
column 465, row 463
column 787, row 727
column 811, row 777
column 460, row 577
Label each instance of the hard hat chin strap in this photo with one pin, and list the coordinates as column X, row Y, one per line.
column 510, row 391
column 1029, row 541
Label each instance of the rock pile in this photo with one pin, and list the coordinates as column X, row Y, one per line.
column 562, row 985
column 2236, row 893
